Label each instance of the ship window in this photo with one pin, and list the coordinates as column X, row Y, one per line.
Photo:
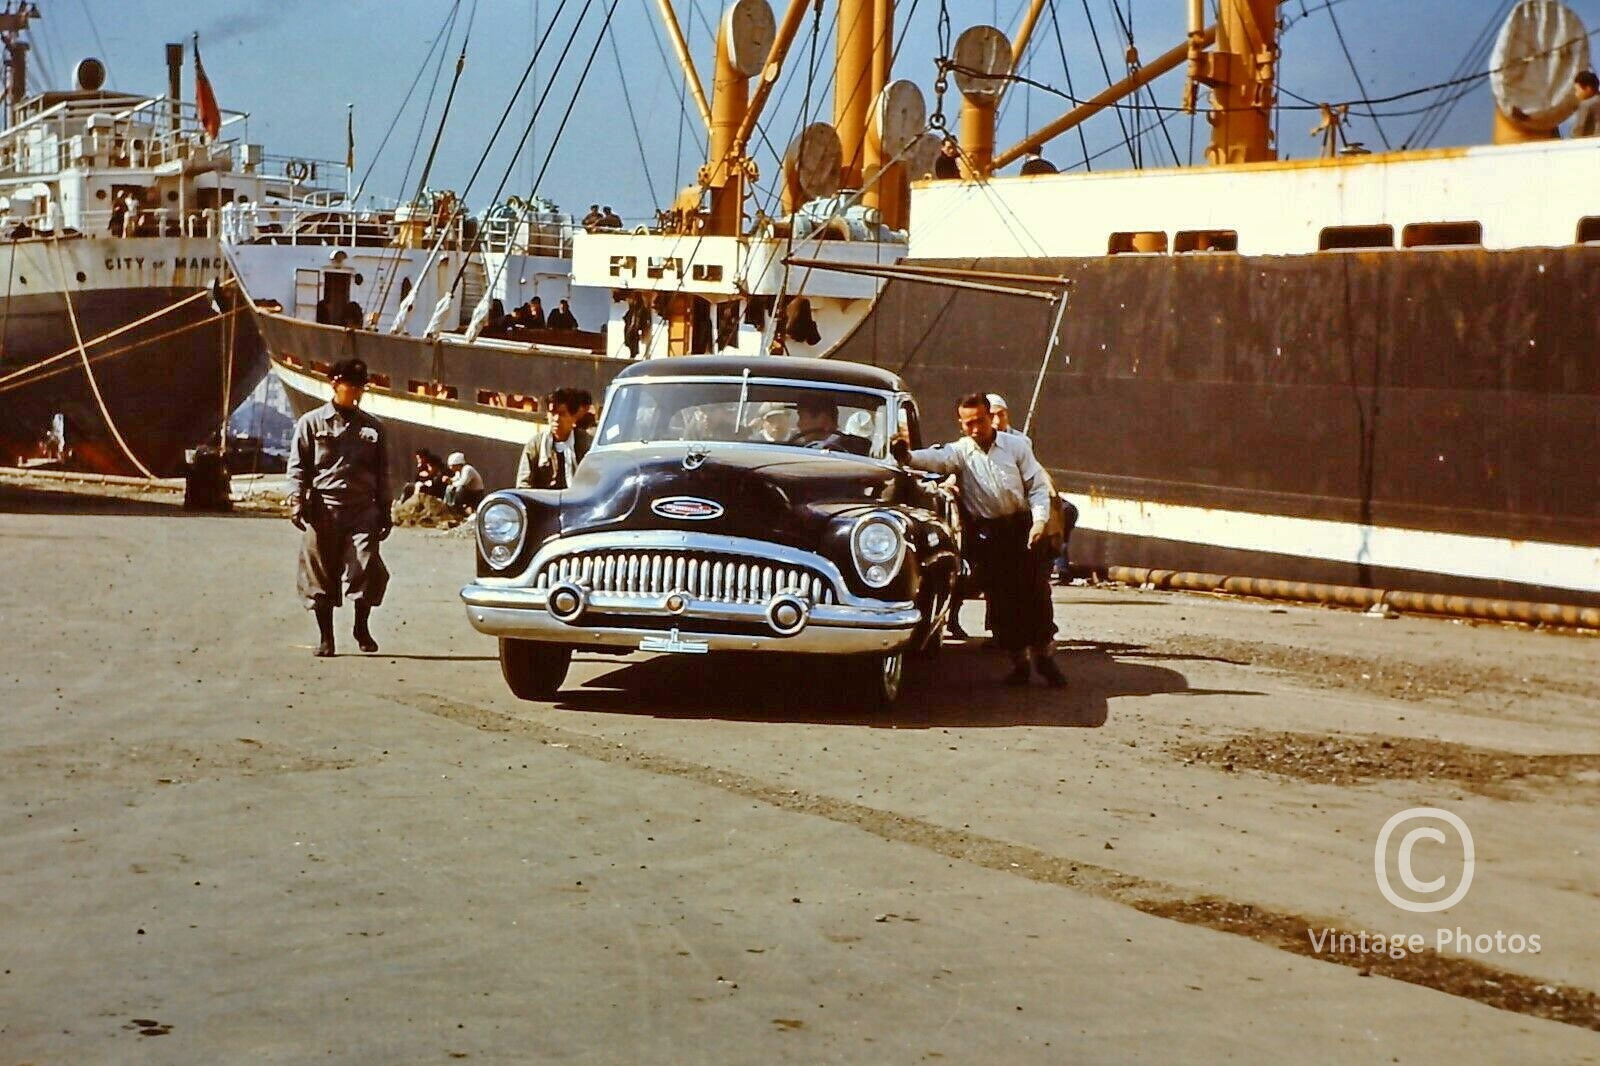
column 292, row 361
column 443, row 392
column 491, row 398
column 1340, row 238
column 377, row 381
column 522, row 402
column 1139, row 242
column 1206, row 240
column 1589, row 230
column 419, row 388
column 1441, row 234
column 319, row 367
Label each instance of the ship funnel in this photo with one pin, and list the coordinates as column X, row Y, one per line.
column 89, row 75
column 1542, row 47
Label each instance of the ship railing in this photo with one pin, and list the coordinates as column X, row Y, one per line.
column 334, row 224
column 544, row 234
column 97, row 222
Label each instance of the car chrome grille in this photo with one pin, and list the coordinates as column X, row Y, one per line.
column 703, row 575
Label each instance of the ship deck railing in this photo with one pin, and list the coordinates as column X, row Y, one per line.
column 104, row 133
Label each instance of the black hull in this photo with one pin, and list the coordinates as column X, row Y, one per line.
column 492, row 438
column 1450, row 392
column 161, row 382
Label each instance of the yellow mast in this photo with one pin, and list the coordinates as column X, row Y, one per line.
column 730, row 90
column 879, row 193
column 852, row 87
column 1241, row 71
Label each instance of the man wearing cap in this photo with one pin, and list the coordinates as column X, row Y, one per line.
column 1069, row 510
column 465, row 488
column 1007, row 494
column 339, row 496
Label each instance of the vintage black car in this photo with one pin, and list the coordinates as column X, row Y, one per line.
column 728, row 504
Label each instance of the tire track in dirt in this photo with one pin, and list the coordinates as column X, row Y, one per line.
column 1466, row 978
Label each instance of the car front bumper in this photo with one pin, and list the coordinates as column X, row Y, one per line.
column 686, row 625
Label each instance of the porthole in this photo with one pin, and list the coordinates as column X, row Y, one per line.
column 359, row 279
column 82, row 277
column 22, row 279
column 172, row 197
column 99, row 194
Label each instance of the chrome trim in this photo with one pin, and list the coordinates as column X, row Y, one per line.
column 901, row 526
column 522, row 535
column 643, row 541
column 802, row 610
column 521, row 614
column 579, row 602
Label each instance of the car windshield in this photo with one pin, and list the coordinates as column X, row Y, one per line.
column 794, row 414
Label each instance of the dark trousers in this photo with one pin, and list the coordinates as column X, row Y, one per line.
column 339, row 557
column 1015, row 578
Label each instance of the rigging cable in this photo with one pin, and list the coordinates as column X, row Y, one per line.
column 1477, row 55
column 1066, row 70
column 561, row 128
column 633, row 120
column 1094, row 33
column 1350, row 59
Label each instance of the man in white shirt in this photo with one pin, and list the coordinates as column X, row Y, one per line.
column 465, row 487
column 1007, row 494
column 1002, row 414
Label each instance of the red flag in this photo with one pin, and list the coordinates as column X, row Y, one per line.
column 205, row 101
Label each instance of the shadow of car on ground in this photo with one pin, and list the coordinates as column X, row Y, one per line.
column 960, row 687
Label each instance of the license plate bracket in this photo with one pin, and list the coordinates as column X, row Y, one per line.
column 673, row 644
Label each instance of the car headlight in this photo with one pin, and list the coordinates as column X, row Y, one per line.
column 501, row 526
column 878, row 544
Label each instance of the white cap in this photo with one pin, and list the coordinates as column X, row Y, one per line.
column 997, row 402
column 456, row 459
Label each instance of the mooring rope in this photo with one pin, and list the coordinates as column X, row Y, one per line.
column 83, row 353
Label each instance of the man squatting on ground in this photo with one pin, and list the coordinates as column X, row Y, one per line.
column 1007, row 494
column 339, row 496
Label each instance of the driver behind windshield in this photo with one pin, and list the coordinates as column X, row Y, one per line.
column 819, row 427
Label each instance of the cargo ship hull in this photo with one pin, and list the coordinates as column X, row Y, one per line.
column 1424, row 420
column 167, row 385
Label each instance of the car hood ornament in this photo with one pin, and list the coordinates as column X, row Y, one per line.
column 695, row 458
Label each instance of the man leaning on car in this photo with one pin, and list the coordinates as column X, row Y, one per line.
column 1008, row 495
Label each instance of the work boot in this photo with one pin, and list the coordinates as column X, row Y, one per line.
column 362, row 634
column 324, row 612
column 1019, row 672
column 1050, row 672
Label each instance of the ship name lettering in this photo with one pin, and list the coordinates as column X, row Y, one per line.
column 126, row 262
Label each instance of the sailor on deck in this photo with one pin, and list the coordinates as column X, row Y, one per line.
column 339, row 497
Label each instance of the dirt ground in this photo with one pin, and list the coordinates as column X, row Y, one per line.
column 220, row 849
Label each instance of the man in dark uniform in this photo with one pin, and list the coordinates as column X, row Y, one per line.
column 338, row 480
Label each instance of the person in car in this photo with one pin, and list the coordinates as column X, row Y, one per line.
column 819, row 427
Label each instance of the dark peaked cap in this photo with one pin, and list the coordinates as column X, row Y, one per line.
column 352, row 371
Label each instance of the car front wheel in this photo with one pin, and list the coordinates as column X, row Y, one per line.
column 534, row 670
column 881, row 678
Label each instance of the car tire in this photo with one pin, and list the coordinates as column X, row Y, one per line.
column 881, row 678
column 533, row 669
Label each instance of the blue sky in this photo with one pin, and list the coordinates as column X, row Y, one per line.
column 295, row 64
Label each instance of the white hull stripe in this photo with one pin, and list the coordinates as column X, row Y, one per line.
column 400, row 408
column 1521, row 562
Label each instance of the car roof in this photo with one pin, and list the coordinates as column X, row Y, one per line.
column 826, row 371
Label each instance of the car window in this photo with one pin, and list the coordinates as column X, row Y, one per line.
column 786, row 414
